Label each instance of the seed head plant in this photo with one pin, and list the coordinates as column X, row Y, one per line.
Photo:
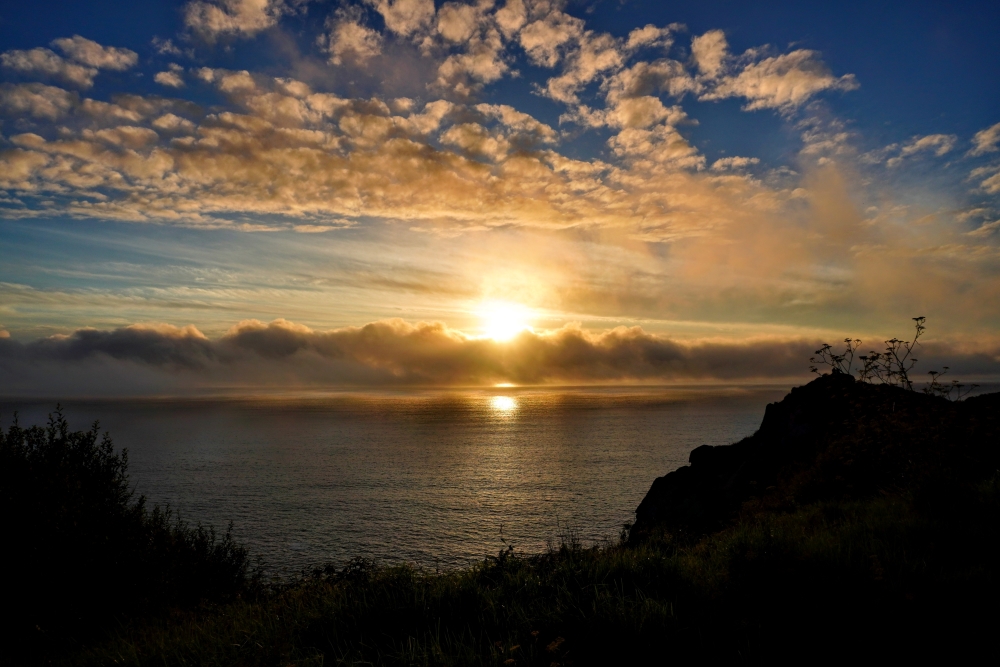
column 953, row 391
column 892, row 366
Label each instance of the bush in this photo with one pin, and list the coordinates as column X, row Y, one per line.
column 83, row 551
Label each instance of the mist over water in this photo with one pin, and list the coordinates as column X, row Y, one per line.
column 422, row 477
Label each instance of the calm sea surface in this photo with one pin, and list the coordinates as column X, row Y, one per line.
column 424, row 477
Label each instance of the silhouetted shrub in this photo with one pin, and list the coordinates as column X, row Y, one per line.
column 82, row 550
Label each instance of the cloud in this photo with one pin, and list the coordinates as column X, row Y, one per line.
column 169, row 122
column 349, row 39
column 985, row 141
column 593, row 55
column 432, row 353
column 458, row 22
column 84, row 58
column 992, row 184
column 642, row 112
column 286, row 355
column 727, row 163
column 161, row 345
column 44, row 62
column 991, row 178
column 89, row 52
column 649, row 140
column 405, row 17
column 275, row 154
column 228, row 81
column 782, row 82
column 232, row 17
column 709, row 52
column 656, row 148
column 645, row 78
column 36, row 100
column 171, row 78
column 285, row 150
column 986, row 229
column 166, row 47
column 517, row 121
column 649, row 35
column 938, row 144
column 825, row 139
column 545, row 40
column 475, row 140
column 511, row 17
column 481, row 62
column 431, row 118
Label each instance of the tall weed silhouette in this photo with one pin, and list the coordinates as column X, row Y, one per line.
column 891, row 366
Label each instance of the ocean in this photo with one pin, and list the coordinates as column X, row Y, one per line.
column 434, row 478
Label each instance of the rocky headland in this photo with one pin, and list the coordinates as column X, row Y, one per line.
column 834, row 439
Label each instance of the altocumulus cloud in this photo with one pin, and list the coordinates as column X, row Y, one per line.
column 278, row 147
column 81, row 60
column 284, row 355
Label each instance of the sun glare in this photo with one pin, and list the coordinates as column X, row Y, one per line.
column 501, row 321
column 503, row 403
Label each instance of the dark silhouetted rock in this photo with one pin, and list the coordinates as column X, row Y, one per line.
column 832, row 439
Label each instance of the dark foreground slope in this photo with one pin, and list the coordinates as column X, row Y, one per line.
column 860, row 522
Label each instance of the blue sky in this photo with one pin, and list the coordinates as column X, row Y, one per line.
column 692, row 172
column 928, row 65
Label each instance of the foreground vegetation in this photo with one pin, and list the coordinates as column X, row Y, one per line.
column 84, row 553
column 879, row 542
column 872, row 577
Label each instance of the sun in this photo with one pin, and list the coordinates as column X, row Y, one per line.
column 501, row 320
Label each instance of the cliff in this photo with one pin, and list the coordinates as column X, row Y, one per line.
column 833, row 439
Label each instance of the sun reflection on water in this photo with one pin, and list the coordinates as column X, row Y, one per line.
column 503, row 404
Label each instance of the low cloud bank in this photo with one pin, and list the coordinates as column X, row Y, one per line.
column 140, row 360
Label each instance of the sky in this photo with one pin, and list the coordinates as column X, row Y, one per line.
column 245, row 194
